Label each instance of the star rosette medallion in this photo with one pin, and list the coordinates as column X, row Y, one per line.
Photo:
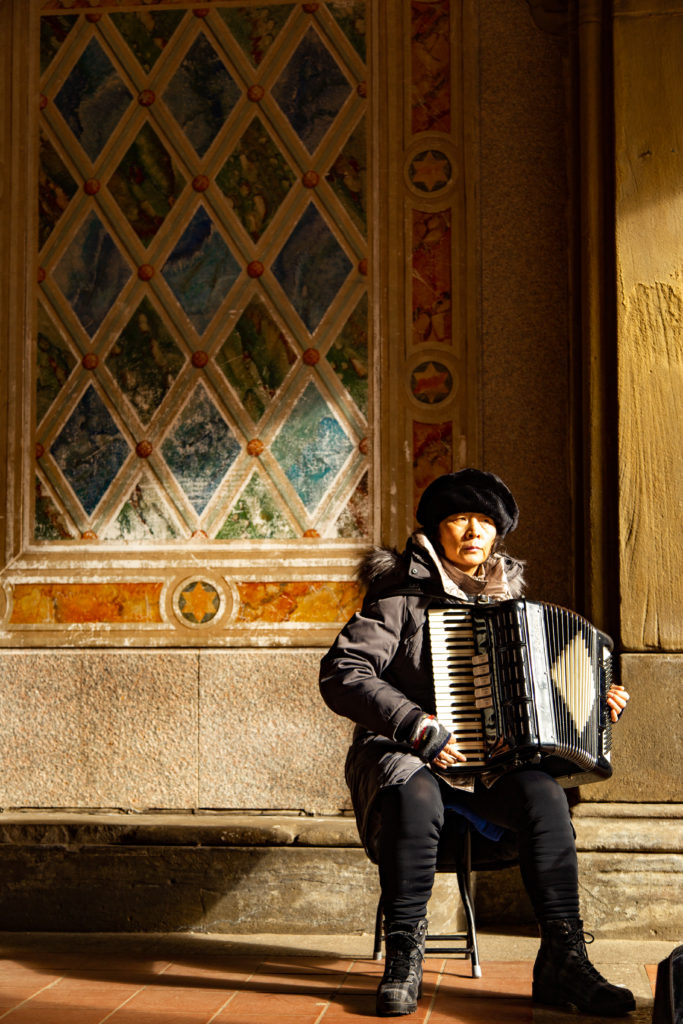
column 198, row 602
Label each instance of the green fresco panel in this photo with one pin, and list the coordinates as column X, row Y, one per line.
column 53, row 31
column 256, row 28
column 256, row 359
column 145, row 361
column 56, row 188
column 355, row 519
column 54, row 363
column 143, row 517
column 348, row 176
column 50, row 522
column 350, row 14
column 147, row 32
column 348, row 356
column 255, row 516
column 256, row 178
column 146, row 184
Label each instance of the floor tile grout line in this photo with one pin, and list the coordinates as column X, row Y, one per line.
column 434, row 994
column 328, row 1004
column 230, row 998
column 29, row 998
column 131, row 996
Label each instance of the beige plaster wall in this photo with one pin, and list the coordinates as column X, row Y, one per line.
column 524, row 207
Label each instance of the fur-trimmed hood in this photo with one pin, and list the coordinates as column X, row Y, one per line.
column 387, row 568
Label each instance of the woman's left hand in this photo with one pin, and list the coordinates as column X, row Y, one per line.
column 617, row 699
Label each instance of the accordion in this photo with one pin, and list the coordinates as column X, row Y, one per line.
column 522, row 682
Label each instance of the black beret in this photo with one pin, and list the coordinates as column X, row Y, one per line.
column 468, row 490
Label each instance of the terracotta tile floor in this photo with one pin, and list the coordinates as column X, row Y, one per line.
column 212, row 980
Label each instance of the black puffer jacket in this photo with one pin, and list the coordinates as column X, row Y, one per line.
column 378, row 671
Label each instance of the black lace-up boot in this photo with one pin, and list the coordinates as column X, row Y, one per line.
column 401, row 985
column 564, row 976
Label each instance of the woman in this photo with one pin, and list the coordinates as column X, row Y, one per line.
column 378, row 674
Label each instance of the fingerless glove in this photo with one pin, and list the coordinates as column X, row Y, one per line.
column 428, row 738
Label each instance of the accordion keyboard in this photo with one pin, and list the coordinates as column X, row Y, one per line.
column 458, row 693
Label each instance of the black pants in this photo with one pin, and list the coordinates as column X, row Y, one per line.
column 527, row 801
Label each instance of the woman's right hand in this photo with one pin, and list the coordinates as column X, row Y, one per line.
column 449, row 756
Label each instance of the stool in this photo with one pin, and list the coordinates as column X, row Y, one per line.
column 459, row 943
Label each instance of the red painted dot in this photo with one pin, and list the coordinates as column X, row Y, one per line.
column 310, row 179
column 363, row 267
column 93, row 17
column 200, row 359
column 255, row 447
column 40, row 451
column 200, row 12
column 255, row 93
column 146, row 98
column 91, row 187
column 199, row 535
column 310, row 9
column 41, row 275
column 363, row 446
column 255, row 268
column 200, row 183
column 89, row 535
column 43, row 101
column 311, row 533
column 146, row 272
column 311, row 356
column 143, row 449
column 362, row 89
column 90, row 361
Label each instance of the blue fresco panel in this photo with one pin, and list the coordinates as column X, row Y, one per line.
column 93, row 99
column 90, row 450
column 200, row 449
column 92, row 273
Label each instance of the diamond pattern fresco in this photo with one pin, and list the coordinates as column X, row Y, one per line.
column 201, row 94
column 93, row 99
column 311, row 267
column 202, row 314
column 146, row 184
column 147, row 32
column 56, row 188
column 145, row 360
column 312, row 447
column 256, row 29
column 90, row 450
column 255, row 179
column 92, row 273
column 201, row 270
column 200, row 449
column 256, row 358
column 311, row 90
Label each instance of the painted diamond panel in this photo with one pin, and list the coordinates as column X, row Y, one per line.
column 255, row 516
column 255, row 178
column 256, row 358
column 147, row 33
column 200, row 449
column 146, row 184
column 351, row 17
column 311, row 90
column 53, row 31
column 92, row 273
column 256, row 28
column 90, row 450
column 348, row 355
column 56, row 188
column 348, row 177
column 201, row 270
column 312, row 447
column 201, row 94
column 311, row 268
column 145, row 361
column 93, row 99
column 144, row 516
column 55, row 363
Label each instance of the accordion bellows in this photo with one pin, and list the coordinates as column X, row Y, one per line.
column 523, row 682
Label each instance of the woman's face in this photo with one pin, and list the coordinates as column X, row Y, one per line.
column 467, row 539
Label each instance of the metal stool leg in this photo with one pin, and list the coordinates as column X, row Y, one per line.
column 377, row 951
column 464, row 876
